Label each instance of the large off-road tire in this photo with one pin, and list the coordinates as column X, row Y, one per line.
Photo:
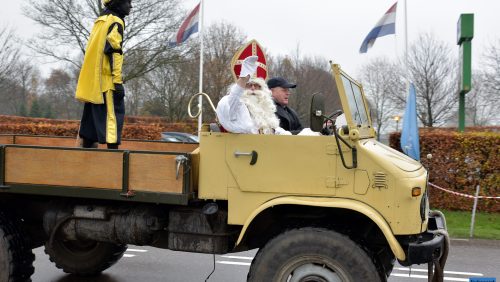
column 84, row 258
column 16, row 257
column 312, row 254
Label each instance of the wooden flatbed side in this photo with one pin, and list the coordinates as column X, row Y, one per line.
column 29, row 166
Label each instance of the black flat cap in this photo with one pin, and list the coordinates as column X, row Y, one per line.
column 279, row 82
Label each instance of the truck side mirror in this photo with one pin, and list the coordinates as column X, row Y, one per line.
column 317, row 112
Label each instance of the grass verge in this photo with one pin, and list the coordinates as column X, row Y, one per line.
column 487, row 225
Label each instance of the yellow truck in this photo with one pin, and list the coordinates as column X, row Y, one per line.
column 339, row 206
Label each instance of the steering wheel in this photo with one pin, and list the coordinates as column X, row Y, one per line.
column 330, row 122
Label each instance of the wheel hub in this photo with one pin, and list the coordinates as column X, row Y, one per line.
column 313, row 273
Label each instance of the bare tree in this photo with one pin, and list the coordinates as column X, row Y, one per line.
column 136, row 94
column 67, row 24
column 59, row 93
column 18, row 77
column 221, row 40
column 491, row 71
column 486, row 87
column 312, row 75
column 9, row 51
column 481, row 103
column 9, row 55
column 169, row 87
column 433, row 72
column 382, row 80
column 27, row 80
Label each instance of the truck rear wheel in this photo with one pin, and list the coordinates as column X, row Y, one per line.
column 16, row 257
column 312, row 254
column 84, row 257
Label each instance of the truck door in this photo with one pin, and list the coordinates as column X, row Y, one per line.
column 283, row 164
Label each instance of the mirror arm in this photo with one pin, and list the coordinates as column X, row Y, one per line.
column 353, row 150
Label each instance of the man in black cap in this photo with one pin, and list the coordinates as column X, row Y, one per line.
column 280, row 89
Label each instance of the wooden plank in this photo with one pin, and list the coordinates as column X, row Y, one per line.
column 6, row 139
column 46, row 141
column 137, row 145
column 154, row 173
column 77, row 168
column 156, row 146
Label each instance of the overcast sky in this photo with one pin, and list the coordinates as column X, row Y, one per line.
column 330, row 28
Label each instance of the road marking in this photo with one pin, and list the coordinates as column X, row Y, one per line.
column 447, row 272
column 238, row 257
column 133, row 250
column 233, row 262
column 136, row 250
column 392, row 274
column 425, row 277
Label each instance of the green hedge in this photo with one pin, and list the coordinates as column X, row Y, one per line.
column 460, row 162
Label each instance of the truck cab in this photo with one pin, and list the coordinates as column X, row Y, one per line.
column 343, row 178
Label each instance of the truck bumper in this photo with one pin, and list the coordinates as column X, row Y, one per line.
column 430, row 246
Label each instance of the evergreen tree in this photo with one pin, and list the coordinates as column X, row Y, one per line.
column 35, row 110
column 48, row 112
column 22, row 110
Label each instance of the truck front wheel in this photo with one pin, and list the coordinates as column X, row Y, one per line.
column 84, row 257
column 16, row 257
column 312, row 254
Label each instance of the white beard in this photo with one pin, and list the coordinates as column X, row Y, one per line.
column 262, row 109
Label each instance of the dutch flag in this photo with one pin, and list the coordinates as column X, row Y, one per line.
column 189, row 26
column 385, row 26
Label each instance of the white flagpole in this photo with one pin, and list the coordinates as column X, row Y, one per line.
column 200, row 84
column 406, row 46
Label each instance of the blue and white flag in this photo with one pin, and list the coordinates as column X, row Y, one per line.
column 409, row 135
column 385, row 26
column 189, row 26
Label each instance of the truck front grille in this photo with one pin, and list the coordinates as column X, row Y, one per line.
column 379, row 180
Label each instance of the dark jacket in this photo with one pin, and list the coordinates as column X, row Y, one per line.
column 288, row 119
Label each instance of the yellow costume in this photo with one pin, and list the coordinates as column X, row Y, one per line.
column 100, row 82
column 99, row 72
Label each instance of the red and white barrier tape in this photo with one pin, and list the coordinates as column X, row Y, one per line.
column 463, row 195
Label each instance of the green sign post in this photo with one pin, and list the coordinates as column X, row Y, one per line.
column 465, row 33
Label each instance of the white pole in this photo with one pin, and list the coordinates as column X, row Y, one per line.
column 200, row 84
column 406, row 51
column 473, row 218
column 406, row 42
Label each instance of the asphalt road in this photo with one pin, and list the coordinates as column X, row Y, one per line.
column 467, row 259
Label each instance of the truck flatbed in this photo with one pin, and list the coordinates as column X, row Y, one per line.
column 141, row 171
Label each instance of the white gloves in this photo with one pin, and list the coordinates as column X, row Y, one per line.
column 249, row 66
column 281, row 131
column 309, row 132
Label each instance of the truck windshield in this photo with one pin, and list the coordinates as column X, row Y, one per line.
column 356, row 104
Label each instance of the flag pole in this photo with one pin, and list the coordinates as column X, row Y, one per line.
column 200, row 84
column 406, row 47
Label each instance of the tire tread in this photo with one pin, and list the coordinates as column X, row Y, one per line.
column 20, row 255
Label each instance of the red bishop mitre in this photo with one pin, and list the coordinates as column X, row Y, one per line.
column 250, row 49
